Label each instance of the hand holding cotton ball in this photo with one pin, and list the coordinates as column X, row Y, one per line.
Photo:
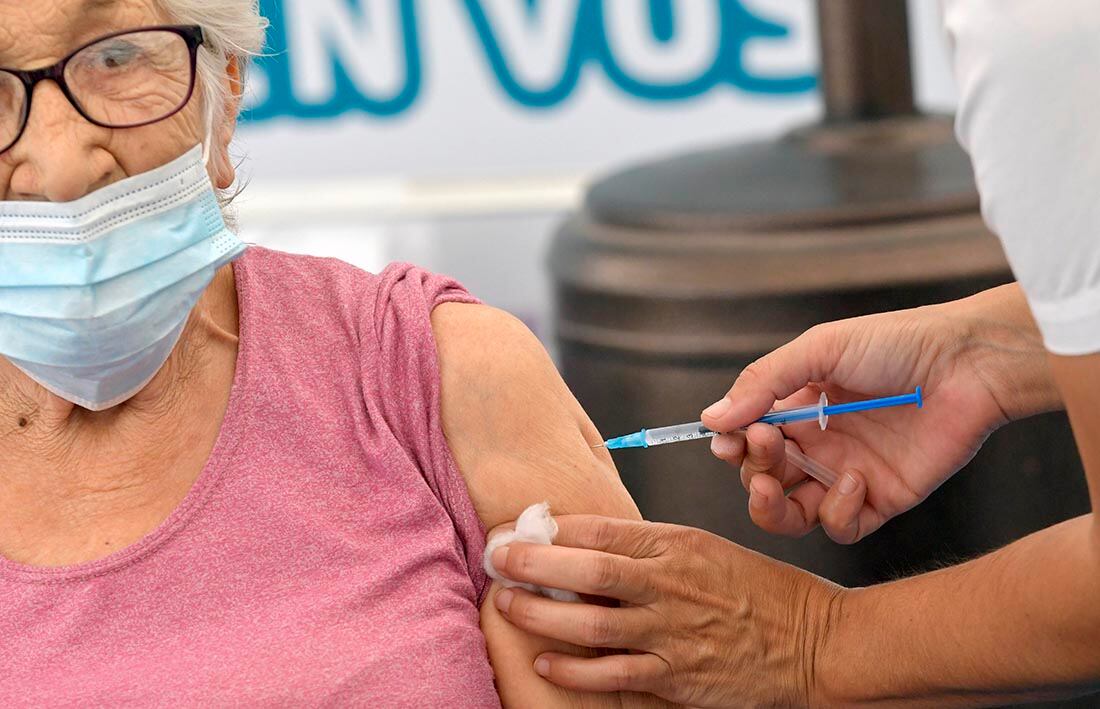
column 534, row 526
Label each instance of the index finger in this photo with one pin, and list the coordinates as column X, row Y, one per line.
column 592, row 573
column 639, row 540
column 772, row 378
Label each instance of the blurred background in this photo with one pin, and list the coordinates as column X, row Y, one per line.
column 663, row 190
column 457, row 134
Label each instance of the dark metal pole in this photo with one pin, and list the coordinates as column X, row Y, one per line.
column 866, row 68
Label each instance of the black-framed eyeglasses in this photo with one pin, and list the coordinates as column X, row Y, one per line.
column 122, row 80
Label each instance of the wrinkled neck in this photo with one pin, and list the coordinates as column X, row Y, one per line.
column 39, row 423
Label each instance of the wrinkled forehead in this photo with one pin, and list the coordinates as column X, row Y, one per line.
column 35, row 33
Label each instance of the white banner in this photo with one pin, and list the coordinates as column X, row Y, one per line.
column 456, row 133
column 490, row 88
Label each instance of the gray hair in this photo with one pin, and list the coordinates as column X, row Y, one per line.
column 234, row 29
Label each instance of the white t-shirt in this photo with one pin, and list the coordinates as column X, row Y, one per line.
column 1029, row 115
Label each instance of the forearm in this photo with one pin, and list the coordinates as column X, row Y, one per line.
column 1022, row 622
column 1019, row 623
column 998, row 335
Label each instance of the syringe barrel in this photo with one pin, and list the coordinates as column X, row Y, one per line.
column 781, row 418
column 676, row 434
column 803, row 413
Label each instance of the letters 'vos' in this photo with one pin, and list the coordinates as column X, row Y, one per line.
column 328, row 57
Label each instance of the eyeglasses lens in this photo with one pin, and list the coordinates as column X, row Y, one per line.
column 12, row 105
column 131, row 79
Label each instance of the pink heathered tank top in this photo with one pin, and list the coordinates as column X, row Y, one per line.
column 328, row 554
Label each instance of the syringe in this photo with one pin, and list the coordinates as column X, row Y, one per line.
column 821, row 411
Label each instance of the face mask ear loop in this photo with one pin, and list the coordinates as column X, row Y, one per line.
column 208, row 142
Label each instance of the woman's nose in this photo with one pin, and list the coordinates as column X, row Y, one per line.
column 60, row 156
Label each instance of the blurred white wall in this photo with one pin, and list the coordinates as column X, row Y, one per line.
column 457, row 133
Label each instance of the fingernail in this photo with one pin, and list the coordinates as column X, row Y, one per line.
column 718, row 408
column 542, row 667
column 847, row 484
column 503, row 600
column 500, row 559
column 757, row 498
column 721, row 446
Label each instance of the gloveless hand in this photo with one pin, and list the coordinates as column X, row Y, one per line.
column 707, row 623
column 980, row 362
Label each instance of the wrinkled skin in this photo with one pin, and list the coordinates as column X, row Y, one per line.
column 79, row 485
column 61, row 156
column 709, row 623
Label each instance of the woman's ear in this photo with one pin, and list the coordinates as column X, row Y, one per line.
column 224, row 173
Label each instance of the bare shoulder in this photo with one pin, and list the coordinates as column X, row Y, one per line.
column 516, row 431
column 519, row 437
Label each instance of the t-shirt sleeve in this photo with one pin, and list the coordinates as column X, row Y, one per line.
column 408, row 377
column 1028, row 73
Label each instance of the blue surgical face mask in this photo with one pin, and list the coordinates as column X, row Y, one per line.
column 94, row 294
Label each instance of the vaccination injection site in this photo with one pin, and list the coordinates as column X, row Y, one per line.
column 549, row 353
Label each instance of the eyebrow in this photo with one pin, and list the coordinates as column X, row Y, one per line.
column 88, row 7
column 96, row 7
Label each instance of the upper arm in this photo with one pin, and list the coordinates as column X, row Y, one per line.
column 519, row 437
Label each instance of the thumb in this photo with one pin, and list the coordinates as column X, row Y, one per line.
column 808, row 358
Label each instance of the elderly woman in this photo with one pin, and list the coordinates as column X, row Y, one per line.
column 229, row 475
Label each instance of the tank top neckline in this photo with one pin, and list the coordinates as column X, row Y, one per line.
column 201, row 489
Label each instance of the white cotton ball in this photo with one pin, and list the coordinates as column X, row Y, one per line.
column 534, row 526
